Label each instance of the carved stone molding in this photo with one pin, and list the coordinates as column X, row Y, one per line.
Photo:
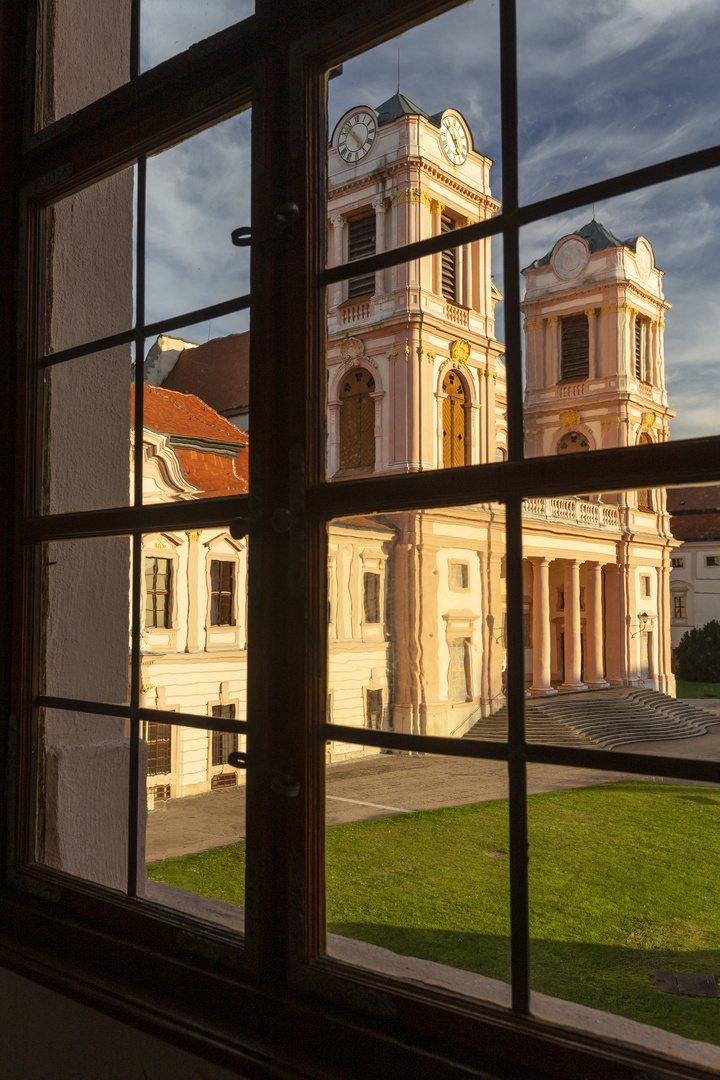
column 412, row 195
column 351, row 348
column 534, row 324
column 648, row 419
column 436, row 207
column 427, row 352
column 569, row 418
column 460, row 351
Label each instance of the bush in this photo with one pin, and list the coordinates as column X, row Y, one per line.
column 698, row 654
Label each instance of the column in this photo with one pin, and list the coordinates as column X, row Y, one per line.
column 573, row 647
column 196, row 592
column 467, row 283
column 377, row 398
column 552, row 367
column 541, row 627
column 436, row 209
column 595, row 675
column 379, row 208
column 333, row 453
column 592, row 343
column 613, row 627
column 338, row 224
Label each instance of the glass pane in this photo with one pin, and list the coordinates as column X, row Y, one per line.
column 636, row 85
column 195, row 831
column 623, row 907
column 87, row 619
column 88, row 463
column 73, row 77
column 83, row 819
column 90, row 251
column 418, row 867
column 168, row 27
column 434, row 661
column 198, row 191
column 619, row 347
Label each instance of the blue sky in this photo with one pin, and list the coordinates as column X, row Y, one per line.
column 605, row 86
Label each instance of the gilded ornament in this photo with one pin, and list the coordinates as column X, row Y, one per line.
column 460, row 351
column 569, row 418
column 412, row 195
column 554, row 320
column 591, row 313
column 534, row 324
column 194, row 535
column 351, row 348
column 436, row 207
column 146, row 688
column 648, row 419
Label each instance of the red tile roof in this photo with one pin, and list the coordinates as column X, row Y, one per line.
column 217, row 371
column 695, row 512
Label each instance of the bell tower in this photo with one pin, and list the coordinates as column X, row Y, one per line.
column 594, row 319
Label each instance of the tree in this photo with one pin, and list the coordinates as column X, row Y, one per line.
column 698, row 654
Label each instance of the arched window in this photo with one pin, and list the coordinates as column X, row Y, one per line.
column 357, row 420
column 573, row 443
column 574, row 348
column 644, row 495
column 454, row 420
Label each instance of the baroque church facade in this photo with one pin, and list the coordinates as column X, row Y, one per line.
column 416, row 380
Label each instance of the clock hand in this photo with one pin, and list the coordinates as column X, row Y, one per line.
column 455, row 139
column 349, row 131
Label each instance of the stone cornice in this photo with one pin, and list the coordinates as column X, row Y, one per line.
column 535, row 307
column 421, row 166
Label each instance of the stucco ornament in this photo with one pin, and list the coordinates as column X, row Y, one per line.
column 460, row 351
column 569, row 418
column 569, row 259
column 643, row 259
column 648, row 419
column 351, row 348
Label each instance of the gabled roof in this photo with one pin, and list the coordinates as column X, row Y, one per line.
column 399, row 105
column 597, row 238
column 217, row 370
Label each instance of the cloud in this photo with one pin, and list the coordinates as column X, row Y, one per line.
column 168, row 27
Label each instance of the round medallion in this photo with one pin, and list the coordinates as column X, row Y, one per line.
column 357, row 136
column 569, row 259
column 454, row 139
column 643, row 259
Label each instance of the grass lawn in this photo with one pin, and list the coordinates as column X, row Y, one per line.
column 696, row 689
column 623, row 881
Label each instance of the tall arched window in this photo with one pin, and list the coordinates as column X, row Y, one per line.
column 454, row 420
column 357, row 420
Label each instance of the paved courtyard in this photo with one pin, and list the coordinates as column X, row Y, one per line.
column 383, row 785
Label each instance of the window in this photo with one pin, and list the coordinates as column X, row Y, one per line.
column 371, row 597
column 157, row 592
column 641, row 350
column 712, row 560
column 449, row 263
column 224, row 743
column 157, row 737
column 679, row 606
column 454, row 420
column 677, row 561
column 357, row 421
column 645, row 585
column 459, row 672
column 574, row 348
column 361, row 242
column 374, row 709
column 222, row 584
column 573, row 443
column 91, row 940
column 458, row 575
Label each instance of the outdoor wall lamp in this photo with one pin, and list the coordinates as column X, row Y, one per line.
column 643, row 619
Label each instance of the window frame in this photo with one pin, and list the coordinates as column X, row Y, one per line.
column 283, row 971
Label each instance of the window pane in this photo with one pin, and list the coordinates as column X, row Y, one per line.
column 617, row 321
column 198, row 191
column 434, row 662
column 87, row 619
column 417, row 867
column 623, row 906
column 168, row 28
column 635, row 86
column 89, row 289
column 87, row 432
column 83, row 824
column 195, row 824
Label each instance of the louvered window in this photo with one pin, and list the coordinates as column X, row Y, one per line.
column 642, row 372
column 575, row 348
column 361, row 243
column 449, row 263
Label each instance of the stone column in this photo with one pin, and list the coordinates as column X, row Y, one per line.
column 333, row 453
column 196, row 591
column 595, row 675
column 436, row 209
column 379, row 208
column 573, row 647
column 377, row 398
column 541, row 683
column 467, row 283
column 592, row 343
column 552, row 351
column 338, row 224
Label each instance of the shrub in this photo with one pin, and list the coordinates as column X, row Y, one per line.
column 698, row 654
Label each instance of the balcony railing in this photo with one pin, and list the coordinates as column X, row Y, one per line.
column 576, row 511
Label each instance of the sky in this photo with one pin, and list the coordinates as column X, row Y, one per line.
column 605, row 86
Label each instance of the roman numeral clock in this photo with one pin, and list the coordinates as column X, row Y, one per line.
column 357, row 134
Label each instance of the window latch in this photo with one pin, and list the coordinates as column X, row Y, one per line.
column 286, row 214
column 237, row 760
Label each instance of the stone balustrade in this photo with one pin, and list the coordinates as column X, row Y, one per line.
column 577, row 511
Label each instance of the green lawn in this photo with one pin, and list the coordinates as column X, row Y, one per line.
column 697, row 689
column 623, row 881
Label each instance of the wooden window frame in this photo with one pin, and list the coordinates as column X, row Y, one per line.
column 247, row 1006
column 221, row 593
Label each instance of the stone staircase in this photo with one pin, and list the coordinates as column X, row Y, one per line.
column 607, row 718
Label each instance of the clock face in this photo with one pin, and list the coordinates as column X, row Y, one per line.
column 569, row 259
column 357, row 136
column 454, row 139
